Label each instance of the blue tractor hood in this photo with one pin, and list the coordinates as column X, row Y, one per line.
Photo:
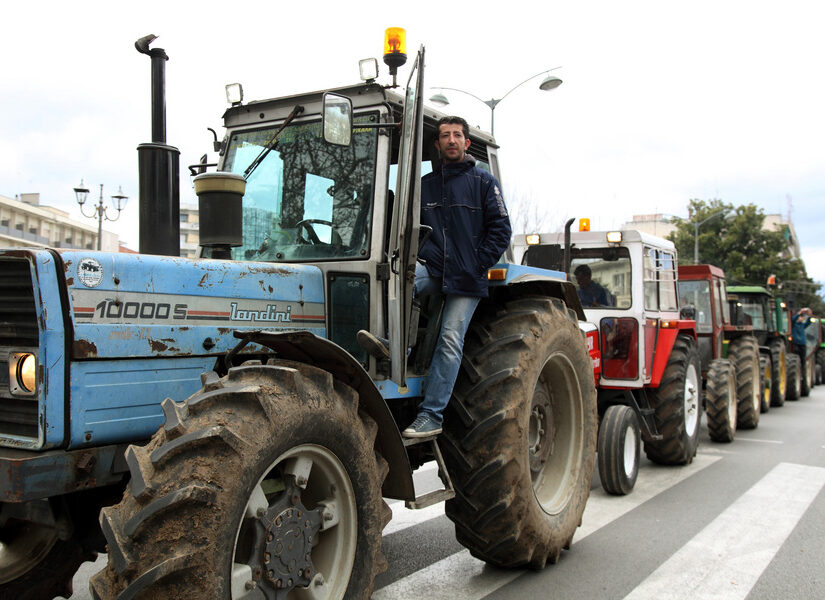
column 137, row 305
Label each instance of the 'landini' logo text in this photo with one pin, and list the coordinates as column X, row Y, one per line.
column 271, row 314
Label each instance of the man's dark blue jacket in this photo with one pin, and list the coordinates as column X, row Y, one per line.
column 471, row 228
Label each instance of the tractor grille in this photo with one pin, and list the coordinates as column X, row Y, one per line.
column 18, row 330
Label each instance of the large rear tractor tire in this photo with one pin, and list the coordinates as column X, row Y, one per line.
column 778, row 374
column 619, row 441
column 743, row 352
column 767, row 382
column 264, row 484
column 794, row 377
column 677, row 406
column 36, row 564
column 820, row 366
column 520, row 433
column 720, row 401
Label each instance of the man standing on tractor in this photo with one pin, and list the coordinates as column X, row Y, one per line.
column 800, row 323
column 470, row 231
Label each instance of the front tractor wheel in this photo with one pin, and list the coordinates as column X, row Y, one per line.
column 520, row 433
column 265, row 484
column 676, row 406
column 720, row 401
column 807, row 376
column 767, row 382
column 778, row 374
column 619, row 441
column 744, row 354
column 794, row 377
column 35, row 563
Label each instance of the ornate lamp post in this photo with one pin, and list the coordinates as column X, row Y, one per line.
column 550, row 82
column 99, row 211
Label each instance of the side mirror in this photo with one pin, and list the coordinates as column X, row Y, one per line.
column 337, row 119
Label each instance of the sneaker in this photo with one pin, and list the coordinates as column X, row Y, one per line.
column 374, row 345
column 423, row 426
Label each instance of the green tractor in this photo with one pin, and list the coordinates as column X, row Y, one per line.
column 781, row 370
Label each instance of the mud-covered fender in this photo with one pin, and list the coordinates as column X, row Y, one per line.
column 306, row 347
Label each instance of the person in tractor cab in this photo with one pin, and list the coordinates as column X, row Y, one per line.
column 799, row 324
column 590, row 292
column 470, row 231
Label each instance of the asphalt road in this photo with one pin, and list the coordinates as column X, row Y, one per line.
column 744, row 520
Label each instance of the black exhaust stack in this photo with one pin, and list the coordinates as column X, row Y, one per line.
column 158, row 169
column 567, row 253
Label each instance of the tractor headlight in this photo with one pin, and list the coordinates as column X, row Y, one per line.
column 22, row 373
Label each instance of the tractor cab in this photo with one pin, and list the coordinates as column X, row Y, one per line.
column 626, row 281
column 331, row 180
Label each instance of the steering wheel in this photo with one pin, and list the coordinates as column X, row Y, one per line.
column 312, row 236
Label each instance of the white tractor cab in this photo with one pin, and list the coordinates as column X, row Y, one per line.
column 649, row 386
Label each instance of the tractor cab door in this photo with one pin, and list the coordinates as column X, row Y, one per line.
column 406, row 222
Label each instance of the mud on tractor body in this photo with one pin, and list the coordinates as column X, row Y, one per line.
column 649, row 384
column 226, row 400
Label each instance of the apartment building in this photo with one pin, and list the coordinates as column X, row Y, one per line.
column 24, row 222
column 189, row 230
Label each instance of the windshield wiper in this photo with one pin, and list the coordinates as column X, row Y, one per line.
column 273, row 143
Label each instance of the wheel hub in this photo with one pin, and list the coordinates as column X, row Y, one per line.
column 289, row 530
column 540, row 438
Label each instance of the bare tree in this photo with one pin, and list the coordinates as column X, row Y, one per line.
column 530, row 214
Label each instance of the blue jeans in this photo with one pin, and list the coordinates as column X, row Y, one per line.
column 458, row 312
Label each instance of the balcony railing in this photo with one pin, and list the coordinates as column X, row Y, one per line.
column 24, row 235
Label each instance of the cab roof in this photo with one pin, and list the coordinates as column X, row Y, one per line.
column 363, row 95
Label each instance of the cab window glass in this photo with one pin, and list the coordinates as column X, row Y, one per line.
column 649, row 274
column 602, row 275
column 308, row 200
column 697, row 294
column 667, row 281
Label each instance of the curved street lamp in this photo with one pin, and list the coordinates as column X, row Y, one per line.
column 99, row 211
column 697, row 225
column 550, row 82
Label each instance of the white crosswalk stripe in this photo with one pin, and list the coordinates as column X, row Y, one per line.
column 726, row 558
column 462, row 577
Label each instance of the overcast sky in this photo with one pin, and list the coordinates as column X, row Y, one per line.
column 661, row 101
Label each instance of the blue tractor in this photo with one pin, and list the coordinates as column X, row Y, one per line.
column 213, row 424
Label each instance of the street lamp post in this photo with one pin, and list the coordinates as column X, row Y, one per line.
column 99, row 211
column 696, row 227
column 550, row 82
